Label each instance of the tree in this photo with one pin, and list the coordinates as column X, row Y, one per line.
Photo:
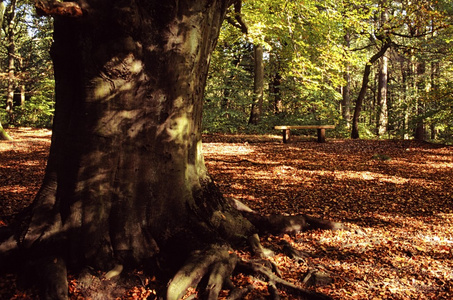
column 382, row 114
column 25, row 64
column 411, row 26
column 3, row 134
column 366, row 73
column 11, row 48
column 125, row 183
column 258, row 85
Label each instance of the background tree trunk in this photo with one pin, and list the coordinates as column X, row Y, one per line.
column 276, row 92
column 258, row 85
column 382, row 97
column 346, row 89
column 11, row 48
column 365, row 80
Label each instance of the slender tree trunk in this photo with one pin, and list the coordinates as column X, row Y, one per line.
column 276, row 91
column 346, row 90
column 362, row 93
column 2, row 13
column 382, row 97
column 435, row 69
column 420, row 81
column 346, row 99
column 258, row 86
column 404, row 102
column 11, row 49
column 382, row 115
column 3, row 134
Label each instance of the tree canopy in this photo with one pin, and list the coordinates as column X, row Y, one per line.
column 314, row 57
column 314, row 51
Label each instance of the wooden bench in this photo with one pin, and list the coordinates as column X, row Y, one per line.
column 286, row 131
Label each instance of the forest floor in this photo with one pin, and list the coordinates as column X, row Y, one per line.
column 395, row 196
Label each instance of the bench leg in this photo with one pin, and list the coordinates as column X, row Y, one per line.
column 286, row 135
column 321, row 135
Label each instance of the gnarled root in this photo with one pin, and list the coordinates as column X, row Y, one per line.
column 278, row 224
column 53, row 280
column 216, row 264
column 216, row 260
column 275, row 282
column 48, row 273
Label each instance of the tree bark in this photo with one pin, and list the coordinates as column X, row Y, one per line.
column 362, row 93
column 3, row 134
column 126, row 166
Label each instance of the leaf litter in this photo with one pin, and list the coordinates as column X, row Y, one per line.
column 394, row 196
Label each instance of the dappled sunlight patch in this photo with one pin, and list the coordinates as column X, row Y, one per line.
column 227, row 149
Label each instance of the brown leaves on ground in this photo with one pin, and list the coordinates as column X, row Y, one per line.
column 396, row 196
column 22, row 164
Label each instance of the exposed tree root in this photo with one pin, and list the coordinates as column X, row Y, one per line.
column 210, row 269
column 216, row 260
column 279, row 224
column 217, row 263
column 238, row 293
column 53, row 278
column 275, row 282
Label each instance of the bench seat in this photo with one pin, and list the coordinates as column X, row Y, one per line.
column 286, row 131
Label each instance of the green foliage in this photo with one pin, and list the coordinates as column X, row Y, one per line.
column 306, row 50
column 32, row 36
column 38, row 111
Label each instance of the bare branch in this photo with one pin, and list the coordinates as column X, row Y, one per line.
column 238, row 21
column 420, row 35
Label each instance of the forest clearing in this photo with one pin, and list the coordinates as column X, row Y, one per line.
column 395, row 197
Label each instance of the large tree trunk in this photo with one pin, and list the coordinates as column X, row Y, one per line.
column 125, row 183
column 126, row 172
